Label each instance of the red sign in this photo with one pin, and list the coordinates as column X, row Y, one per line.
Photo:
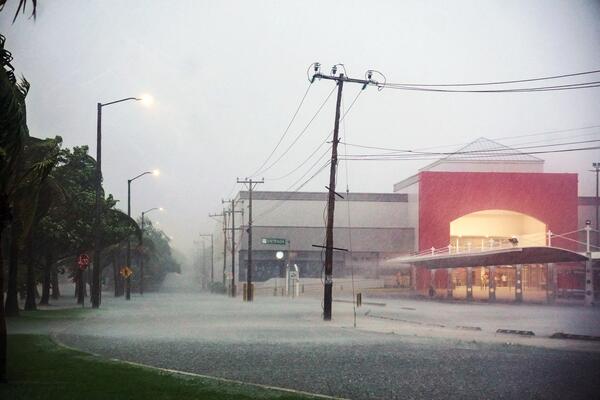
column 83, row 261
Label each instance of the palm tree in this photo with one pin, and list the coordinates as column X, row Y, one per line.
column 13, row 131
column 21, row 8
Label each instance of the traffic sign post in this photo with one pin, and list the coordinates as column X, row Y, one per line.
column 83, row 261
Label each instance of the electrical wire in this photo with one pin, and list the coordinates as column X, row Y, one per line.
column 584, row 85
column 424, row 156
column 320, row 144
column 302, row 132
column 475, row 152
column 501, row 82
column 290, row 194
column 350, row 254
column 285, row 131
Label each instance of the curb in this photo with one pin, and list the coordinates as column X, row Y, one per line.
column 515, row 332
column 468, row 328
column 561, row 335
column 57, row 341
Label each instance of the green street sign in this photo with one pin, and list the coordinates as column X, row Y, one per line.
column 281, row 242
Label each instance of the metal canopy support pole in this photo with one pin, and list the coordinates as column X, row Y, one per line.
column 449, row 283
column 589, row 272
column 492, row 282
column 469, row 283
column 589, row 282
column 551, row 283
column 518, row 283
column 432, row 284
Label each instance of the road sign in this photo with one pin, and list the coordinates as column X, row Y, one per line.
column 83, row 261
column 277, row 241
column 126, row 272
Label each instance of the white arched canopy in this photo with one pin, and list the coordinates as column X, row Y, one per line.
column 488, row 228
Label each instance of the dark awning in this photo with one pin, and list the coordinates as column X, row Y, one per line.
column 510, row 256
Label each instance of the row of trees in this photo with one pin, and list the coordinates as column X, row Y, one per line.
column 47, row 199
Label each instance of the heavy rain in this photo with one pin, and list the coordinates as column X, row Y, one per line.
column 295, row 200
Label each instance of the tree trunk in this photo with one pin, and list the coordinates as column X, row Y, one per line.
column 31, row 287
column 2, row 314
column 55, row 288
column 80, row 290
column 12, row 301
column 47, row 277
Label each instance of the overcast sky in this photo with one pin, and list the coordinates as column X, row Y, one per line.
column 227, row 76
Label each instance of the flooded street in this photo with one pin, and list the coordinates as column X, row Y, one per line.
column 283, row 342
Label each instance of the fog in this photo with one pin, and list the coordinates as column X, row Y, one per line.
column 227, row 77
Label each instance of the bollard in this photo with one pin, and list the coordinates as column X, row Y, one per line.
column 358, row 299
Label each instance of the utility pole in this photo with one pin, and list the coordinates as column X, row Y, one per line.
column 212, row 256
column 251, row 185
column 224, row 215
column 232, row 212
column 340, row 79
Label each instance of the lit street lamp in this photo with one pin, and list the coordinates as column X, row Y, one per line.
column 155, row 173
column 96, row 291
column 141, row 254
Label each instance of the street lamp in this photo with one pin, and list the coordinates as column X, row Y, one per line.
column 141, row 255
column 212, row 256
column 153, row 172
column 98, row 209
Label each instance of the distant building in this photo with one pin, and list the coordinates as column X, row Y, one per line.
column 482, row 196
column 371, row 226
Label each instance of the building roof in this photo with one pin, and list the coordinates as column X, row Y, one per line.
column 322, row 196
column 486, row 150
column 482, row 151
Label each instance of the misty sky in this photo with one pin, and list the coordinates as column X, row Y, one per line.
column 227, row 76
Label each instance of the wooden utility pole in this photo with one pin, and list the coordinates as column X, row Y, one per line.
column 212, row 255
column 251, row 185
column 232, row 212
column 224, row 215
column 340, row 79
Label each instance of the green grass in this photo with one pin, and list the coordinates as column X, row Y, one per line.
column 40, row 369
column 61, row 313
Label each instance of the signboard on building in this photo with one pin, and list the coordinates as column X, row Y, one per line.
column 276, row 241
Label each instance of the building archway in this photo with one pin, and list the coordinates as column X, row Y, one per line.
column 486, row 229
column 491, row 228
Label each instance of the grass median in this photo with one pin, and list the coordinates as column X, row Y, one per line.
column 38, row 368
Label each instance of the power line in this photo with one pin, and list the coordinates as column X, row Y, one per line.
column 475, row 152
column 428, row 156
column 501, row 82
column 584, row 85
column 299, row 135
column 285, row 131
column 290, row 194
column 320, row 144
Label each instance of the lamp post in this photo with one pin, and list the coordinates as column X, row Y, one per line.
column 212, row 256
column 98, row 208
column 128, row 262
column 141, row 253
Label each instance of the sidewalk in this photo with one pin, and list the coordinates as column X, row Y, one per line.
column 478, row 322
